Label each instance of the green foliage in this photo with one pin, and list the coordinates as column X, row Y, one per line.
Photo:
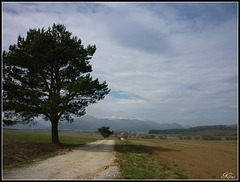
column 48, row 74
column 208, row 137
column 193, row 129
column 105, row 132
column 197, row 137
column 231, row 138
column 9, row 122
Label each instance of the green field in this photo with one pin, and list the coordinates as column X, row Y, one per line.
column 138, row 158
column 68, row 137
column 25, row 146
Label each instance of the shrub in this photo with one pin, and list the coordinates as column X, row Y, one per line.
column 197, row 137
column 207, row 137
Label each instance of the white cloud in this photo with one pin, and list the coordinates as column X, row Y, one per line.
column 175, row 63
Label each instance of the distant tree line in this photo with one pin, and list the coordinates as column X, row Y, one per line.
column 231, row 138
column 185, row 137
column 205, row 137
column 189, row 130
column 208, row 137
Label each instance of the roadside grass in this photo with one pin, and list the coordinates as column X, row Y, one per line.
column 24, row 147
column 137, row 162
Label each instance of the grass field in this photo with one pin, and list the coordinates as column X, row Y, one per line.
column 176, row 159
column 138, row 158
column 21, row 147
column 137, row 162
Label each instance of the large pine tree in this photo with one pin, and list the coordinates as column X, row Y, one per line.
column 48, row 74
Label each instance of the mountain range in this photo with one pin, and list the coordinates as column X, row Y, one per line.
column 90, row 123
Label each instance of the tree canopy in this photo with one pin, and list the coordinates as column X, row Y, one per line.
column 105, row 132
column 48, row 74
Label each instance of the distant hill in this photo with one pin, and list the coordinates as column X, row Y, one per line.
column 90, row 123
column 37, row 126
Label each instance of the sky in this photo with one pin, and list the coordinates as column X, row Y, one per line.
column 165, row 62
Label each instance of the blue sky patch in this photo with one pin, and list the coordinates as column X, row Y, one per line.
column 119, row 94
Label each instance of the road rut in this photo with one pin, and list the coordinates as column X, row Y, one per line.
column 95, row 160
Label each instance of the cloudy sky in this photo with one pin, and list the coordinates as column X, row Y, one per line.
column 166, row 62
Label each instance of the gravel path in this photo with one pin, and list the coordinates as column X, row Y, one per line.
column 95, row 160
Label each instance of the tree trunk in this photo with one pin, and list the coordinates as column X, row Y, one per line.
column 55, row 138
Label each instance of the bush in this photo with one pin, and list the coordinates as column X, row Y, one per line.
column 125, row 135
column 207, row 137
column 197, row 137
column 152, row 136
column 231, row 138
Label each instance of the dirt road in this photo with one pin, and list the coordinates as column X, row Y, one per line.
column 92, row 161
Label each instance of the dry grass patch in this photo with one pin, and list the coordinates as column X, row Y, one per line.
column 195, row 159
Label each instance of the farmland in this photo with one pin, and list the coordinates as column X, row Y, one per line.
column 192, row 159
column 170, row 157
column 157, row 157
